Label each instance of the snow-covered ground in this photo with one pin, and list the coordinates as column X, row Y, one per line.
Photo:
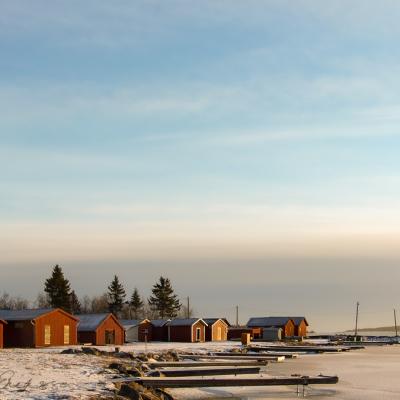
column 46, row 374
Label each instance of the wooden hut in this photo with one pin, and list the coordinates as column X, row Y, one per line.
column 286, row 323
column 134, row 329
column 38, row 328
column 272, row 334
column 157, row 330
column 300, row 326
column 100, row 329
column 216, row 329
column 235, row 332
column 2, row 323
column 186, row 330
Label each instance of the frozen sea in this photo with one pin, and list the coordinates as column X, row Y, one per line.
column 370, row 374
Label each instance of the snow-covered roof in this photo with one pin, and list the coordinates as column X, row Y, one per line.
column 268, row 321
column 158, row 323
column 90, row 322
column 23, row 315
column 185, row 321
column 211, row 321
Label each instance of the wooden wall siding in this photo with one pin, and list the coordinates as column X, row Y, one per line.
column 145, row 329
column 109, row 325
column 132, row 334
column 56, row 320
column 202, row 331
column 32, row 333
column 19, row 334
column 87, row 337
column 301, row 329
column 212, row 331
column 179, row 334
column 236, row 333
column 186, row 333
column 288, row 329
column 159, row 334
column 1, row 335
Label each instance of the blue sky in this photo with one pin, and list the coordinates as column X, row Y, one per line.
column 222, row 136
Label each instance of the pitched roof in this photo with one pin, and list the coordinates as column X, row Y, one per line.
column 158, row 323
column 297, row 320
column 90, row 322
column 185, row 321
column 268, row 321
column 128, row 323
column 211, row 321
column 24, row 315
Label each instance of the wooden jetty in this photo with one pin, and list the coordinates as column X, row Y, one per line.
column 220, row 363
column 233, row 357
column 303, row 349
column 362, row 344
column 215, row 371
column 263, row 353
column 231, row 382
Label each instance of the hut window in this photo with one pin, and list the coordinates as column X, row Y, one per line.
column 66, row 334
column 47, row 334
column 198, row 334
column 18, row 325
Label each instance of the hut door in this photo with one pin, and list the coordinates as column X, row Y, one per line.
column 110, row 337
column 219, row 333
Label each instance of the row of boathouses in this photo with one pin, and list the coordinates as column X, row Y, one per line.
column 55, row 327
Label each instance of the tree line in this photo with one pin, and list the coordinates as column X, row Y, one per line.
column 57, row 293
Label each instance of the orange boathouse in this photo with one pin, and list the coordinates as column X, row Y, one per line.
column 38, row 328
column 285, row 323
column 300, row 326
column 100, row 329
column 216, row 329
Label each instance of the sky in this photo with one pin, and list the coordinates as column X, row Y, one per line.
column 247, row 150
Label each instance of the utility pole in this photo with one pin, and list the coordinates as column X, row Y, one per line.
column 188, row 308
column 237, row 315
column 395, row 321
column 356, row 330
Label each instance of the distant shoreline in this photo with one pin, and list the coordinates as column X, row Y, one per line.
column 378, row 329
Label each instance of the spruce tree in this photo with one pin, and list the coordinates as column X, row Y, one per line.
column 163, row 300
column 116, row 296
column 75, row 304
column 58, row 289
column 136, row 304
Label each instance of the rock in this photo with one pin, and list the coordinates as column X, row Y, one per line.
column 71, row 351
column 91, row 351
column 124, row 354
column 134, row 372
column 119, row 367
column 149, row 396
column 155, row 373
column 129, row 392
column 142, row 357
column 174, row 355
column 144, row 367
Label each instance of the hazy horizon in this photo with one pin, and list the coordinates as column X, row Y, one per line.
column 249, row 152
